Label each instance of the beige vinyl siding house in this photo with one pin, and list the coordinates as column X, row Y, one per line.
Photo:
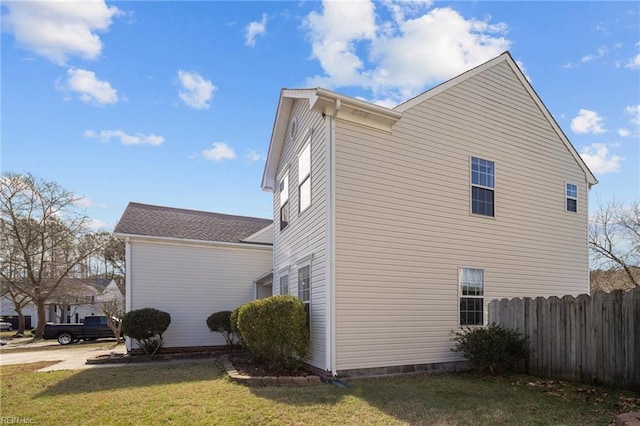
column 302, row 242
column 429, row 211
column 192, row 264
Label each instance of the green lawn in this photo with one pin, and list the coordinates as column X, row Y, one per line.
column 198, row 392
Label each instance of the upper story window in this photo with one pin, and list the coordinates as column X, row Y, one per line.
column 284, row 284
column 284, row 201
column 471, row 296
column 483, row 177
column 572, row 197
column 304, row 178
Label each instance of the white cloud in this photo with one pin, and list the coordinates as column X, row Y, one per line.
column 90, row 89
column 58, row 30
column 196, row 91
column 125, row 139
column 255, row 29
column 634, row 112
column 623, row 132
column 86, row 203
column 634, row 63
column 587, row 122
column 591, row 57
column 397, row 59
column 600, row 160
column 220, row 151
column 253, row 156
column 96, row 225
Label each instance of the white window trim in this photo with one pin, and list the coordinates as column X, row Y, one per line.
column 284, row 175
column 567, row 197
column 288, row 283
column 484, row 294
column 471, row 185
column 307, row 177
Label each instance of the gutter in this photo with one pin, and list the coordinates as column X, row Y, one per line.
column 331, row 264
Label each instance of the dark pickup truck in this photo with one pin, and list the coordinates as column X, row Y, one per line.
column 94, row 327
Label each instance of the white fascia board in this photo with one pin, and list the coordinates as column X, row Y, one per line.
column 190, row 242
column 354, row 110
column 260, row 233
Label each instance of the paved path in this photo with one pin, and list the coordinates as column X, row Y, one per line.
column 72, row 357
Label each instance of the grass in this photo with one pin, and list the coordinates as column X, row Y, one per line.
column 198, row 392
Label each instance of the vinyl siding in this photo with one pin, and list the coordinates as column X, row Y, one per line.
column 192, row 281
column 404, row 227
column 306, row 232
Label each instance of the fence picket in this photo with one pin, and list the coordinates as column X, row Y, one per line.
column 588, row 338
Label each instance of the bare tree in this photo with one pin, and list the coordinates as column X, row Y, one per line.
column 42, row 226
column 113, row 309
column 614, row 238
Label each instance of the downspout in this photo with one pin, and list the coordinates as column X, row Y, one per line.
column 331, row 212
column 127, row 284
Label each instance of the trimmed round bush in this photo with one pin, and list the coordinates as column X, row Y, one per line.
column 220, row 322
column 493, row 348
column 275, row 330
column 146, row 326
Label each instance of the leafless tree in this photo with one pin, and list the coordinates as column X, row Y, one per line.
column 614, row 238
column 42, row 227
column 113, row 309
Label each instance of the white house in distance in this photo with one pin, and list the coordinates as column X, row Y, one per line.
column 399, row 225
column 191, row 264
column 76, row 299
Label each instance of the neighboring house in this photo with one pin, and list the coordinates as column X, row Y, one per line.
column 398, row 226
column 75, row 299
column 192, row 264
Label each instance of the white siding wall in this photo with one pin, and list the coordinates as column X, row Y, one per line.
column 306, row 232
column 192, row 281
column 403, row 222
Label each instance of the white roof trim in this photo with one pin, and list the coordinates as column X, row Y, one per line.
column 186, row 241
column 257, row 235
column 326, row 102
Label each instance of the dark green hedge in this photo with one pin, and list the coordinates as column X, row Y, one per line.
column 275, row 330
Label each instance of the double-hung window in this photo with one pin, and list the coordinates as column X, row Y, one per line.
column 483, row 178
column 284, row 284
column 304, row 178
column 471, row 296
column 304, row 291
column 572, row 197
column 284, row 201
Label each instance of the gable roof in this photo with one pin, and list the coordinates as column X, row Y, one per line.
column 325, row 102
column 168, row 222
column 356, row 110
column 504, row 57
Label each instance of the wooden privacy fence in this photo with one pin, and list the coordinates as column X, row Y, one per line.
column 592, row 339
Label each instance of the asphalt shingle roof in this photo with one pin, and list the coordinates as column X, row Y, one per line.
column 168, row 222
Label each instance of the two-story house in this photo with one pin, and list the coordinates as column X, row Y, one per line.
column 399, row 225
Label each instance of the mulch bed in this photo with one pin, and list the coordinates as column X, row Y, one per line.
column 248, row 365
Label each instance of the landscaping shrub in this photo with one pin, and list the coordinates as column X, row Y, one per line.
column 233, row 320
column 220, row 322
column 146, row 326
column 494, row 348
column 275, row 330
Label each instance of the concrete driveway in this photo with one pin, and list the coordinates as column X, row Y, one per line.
column 71, row 357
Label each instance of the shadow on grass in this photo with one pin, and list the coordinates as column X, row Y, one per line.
column 134, row 376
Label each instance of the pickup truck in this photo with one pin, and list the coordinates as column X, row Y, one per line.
column 94, row 327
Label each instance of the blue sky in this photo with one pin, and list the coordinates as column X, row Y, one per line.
column 172, row 103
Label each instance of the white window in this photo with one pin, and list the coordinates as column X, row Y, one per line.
column 304, row 178
column 284, row 284
column 572, row 197
column 284, row 201
column 304, row 284
column 471, row 296
column 482, row 187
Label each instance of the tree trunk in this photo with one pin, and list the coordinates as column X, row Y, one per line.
column 21, row 324
column 41, row 319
